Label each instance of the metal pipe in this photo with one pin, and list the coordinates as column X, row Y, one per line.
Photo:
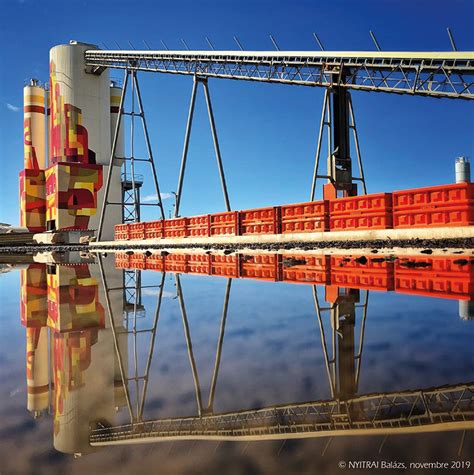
column 219, row 346
column 185, row 148
column 216, row 145
column 150, row 153
column 112, row 155
column 318, row 149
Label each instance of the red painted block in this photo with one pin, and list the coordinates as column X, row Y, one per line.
column 260, row 221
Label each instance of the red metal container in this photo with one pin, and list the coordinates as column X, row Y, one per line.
column 138, row 261
column 446, row 205
column 361, row 212
column 155, row 262
column 224, row 223
column 122, row 260
column 305, row 217
column 154, row 229
column 260, row 221
column 136, row 231
column 121, row 232
column 198, row 226
column 175, row 227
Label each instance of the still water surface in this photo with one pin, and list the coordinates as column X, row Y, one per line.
column 307, row 376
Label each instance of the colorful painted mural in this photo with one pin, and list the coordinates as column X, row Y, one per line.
column 71, row 357
column 68, row 136
column 73, row 299
column 33, row 296
column 71, row 195
column 34, row 126
column 32, row 200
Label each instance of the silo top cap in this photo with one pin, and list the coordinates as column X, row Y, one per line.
column 462, row 160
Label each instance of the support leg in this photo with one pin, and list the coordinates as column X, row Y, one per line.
column 318, row 149
column 187, row 334
column 216, row 144
column 210, row 406
column 148, row 144
column 185, row 148
column 112, row 156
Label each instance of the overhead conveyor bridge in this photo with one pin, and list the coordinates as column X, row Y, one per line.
column 435, row 74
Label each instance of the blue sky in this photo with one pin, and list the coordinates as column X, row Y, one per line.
column 267, row 132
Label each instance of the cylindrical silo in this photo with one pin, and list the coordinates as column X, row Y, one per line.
column 34, row 126
column 115, row 96
column 37, row 373
column 80, row 133
column 463, row 170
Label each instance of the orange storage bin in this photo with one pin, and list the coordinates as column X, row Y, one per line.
column 198, row 226
column 306, row 269
column 305, row 217
column 361, row 212
column 175, row 227
column 224, row 223
column 260, row 221
column 136, row 231
column 438, row 276
column 446, row 205
column 154, row 229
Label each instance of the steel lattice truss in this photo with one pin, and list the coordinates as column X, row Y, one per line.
column 446, row 74
column 384, row 412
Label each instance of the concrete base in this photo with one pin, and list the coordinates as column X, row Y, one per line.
column 466, row 232
column 64, row 237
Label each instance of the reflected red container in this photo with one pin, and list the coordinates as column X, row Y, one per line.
column 306, row 269
column 362, row 272
column 437, row 276
column 261, row 266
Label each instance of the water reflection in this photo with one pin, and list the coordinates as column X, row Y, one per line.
column 91, row 344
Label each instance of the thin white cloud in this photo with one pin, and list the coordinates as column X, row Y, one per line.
column 156, row 293
column 148, row 198
column 12, row 108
